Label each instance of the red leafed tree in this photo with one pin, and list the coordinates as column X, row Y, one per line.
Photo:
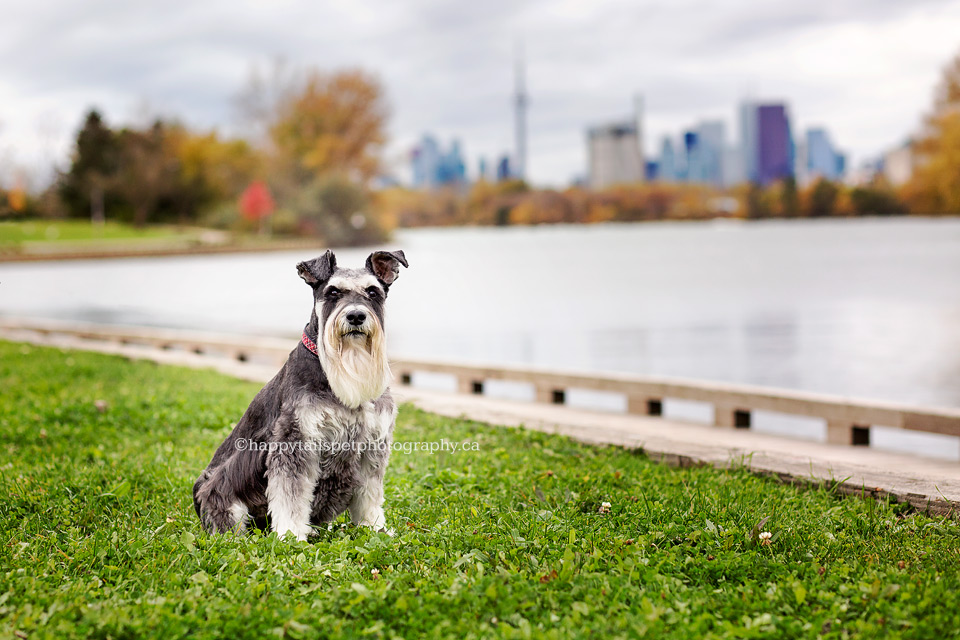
column 255, row 202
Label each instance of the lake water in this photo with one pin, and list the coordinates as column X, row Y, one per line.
column 867, row 308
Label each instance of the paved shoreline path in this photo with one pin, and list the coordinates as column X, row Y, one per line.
column 927, row 484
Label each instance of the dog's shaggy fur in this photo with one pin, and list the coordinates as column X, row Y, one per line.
column 316, row 440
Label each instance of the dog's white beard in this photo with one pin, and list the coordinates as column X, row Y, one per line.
column 357, row 370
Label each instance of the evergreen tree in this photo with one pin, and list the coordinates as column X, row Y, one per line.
column 86, row 188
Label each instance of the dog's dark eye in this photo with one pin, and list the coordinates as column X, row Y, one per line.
column 373, row 292
column 333, row 292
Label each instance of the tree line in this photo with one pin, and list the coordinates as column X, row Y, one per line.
column 933, row 189
column 514, row 202
column 315, row 144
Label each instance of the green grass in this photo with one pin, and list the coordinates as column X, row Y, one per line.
column 98, row 537
column 79, row 231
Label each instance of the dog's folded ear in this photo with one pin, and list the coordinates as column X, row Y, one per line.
column 386, row 265
column 319, row 269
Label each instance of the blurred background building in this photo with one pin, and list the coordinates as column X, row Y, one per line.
column 763, row 153
column 433, row 167
column 818, row 158
column 898, row 164
column 774, row 144
column 615, row 151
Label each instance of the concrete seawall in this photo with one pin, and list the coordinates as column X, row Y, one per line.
column 930, row 485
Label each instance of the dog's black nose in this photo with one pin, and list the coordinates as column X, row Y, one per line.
column 356, row 318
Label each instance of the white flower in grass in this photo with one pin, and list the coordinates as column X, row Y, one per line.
column 375, row 573
column 604, row 507
column 765, row 537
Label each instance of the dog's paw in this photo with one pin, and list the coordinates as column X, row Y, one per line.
column 374, row 519
column 389, row 532
column 299, row 533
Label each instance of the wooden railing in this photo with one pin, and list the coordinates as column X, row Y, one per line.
column 848, row 420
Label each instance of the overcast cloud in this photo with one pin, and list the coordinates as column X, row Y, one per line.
column 865, row 69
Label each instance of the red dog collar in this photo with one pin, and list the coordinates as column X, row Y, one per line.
column 309, row 344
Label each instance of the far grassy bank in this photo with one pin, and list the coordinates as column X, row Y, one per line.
column 60, row 239
column 98, row 537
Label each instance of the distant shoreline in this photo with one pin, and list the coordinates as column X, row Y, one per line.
column 157, row 252
column 51, row 253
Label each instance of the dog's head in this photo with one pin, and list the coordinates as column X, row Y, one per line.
column 349, row 310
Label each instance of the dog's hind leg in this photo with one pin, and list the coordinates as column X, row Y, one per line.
column 219, row 513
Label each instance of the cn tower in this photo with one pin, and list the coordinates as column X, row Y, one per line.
column 520, row 116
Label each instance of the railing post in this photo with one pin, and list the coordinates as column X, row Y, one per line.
column 547, row 394
column 731, row 417
column 469, row 386
column 842, row 432
column 644, row 405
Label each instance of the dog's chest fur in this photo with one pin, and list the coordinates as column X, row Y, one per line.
column 345, row 436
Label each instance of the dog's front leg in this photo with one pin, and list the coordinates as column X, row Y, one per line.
column 291, row 480
column 366, row 506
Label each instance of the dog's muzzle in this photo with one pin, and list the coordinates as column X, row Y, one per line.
column 355, row 323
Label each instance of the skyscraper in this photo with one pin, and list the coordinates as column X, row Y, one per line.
column 616, row 153
column 774, row 145
column 504, row 170
column 425, row 158
column 433, row 168
column 822, row 159
column 639, row 109
column 732, row 168
column 703, row 157
column 668, row 162
column 711, row 139
column 692, row 167
column 748, row 140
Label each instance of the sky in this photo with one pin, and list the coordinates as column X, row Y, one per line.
column 864, row 69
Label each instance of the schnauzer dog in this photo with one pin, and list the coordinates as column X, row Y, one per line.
column 316, row 440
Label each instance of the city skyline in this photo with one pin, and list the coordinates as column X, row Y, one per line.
column 763, row 149
column 865, row 71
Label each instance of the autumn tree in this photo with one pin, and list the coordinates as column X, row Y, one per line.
column 876, row 200
column 823, row 198
column 789, row 199
column 210, row 169
column 333, row 123
column 935, row 187
column 756, row 205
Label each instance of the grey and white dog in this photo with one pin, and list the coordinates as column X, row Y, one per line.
column 316, row 440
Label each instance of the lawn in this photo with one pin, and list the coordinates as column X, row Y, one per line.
column 79, row 231
column 98, row 537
